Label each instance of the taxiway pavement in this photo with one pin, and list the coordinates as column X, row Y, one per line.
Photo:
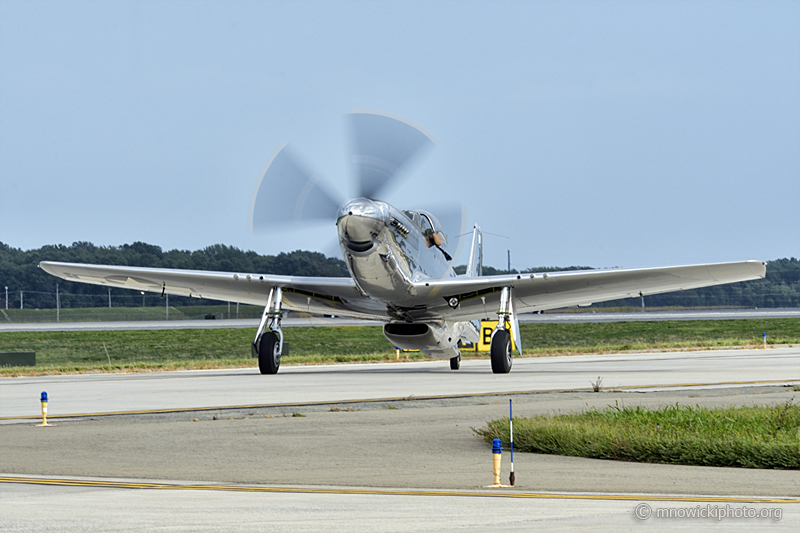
column 298, row 385
column 372, row 447
column 30, row 507
column 410, row 444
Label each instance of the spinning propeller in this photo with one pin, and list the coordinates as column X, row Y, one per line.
column 382, row 146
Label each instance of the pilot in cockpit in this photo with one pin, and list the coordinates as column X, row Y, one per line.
column 431, row 237
column 431, row 229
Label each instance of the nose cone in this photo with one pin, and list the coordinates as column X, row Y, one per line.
column 364, row 207
column 360, row 222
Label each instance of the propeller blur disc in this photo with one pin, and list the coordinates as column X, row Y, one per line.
column 382, row 145
column 286, row 192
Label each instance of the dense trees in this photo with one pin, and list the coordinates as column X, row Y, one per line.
column 19, row 271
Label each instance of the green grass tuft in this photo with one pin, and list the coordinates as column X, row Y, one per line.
column 750, row 437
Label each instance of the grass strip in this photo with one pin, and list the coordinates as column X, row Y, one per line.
column 750, row 437
column 150, row 350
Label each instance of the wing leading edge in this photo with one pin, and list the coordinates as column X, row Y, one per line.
column 310, row 294
column 479, row 297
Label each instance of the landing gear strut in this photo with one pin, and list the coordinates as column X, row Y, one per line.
column 501, row 347
column 268, row 345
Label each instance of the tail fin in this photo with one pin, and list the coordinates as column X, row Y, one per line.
column 475, row 264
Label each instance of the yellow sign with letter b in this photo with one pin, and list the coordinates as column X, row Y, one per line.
column 485, row 338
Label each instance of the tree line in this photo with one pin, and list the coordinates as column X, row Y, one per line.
column 20, row 273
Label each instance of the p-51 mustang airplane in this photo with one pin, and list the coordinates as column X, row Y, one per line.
column 399, row 263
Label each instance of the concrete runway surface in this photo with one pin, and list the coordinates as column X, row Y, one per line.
column 27, row 507
column 296, row 385
column 564, row 318
column 645, row 316
column 376, row 455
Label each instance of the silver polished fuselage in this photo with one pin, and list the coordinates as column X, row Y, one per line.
column 387, row 252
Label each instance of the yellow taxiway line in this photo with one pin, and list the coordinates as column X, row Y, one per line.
column 389, row 492
column 395, row 399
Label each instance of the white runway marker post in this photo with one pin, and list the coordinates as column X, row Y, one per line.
column 511, row 441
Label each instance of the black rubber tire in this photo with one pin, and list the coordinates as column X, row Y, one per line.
column 455, row 362
column 269, row 354
column 501, row 352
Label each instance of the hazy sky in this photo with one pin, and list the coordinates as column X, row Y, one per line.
column 593, row 133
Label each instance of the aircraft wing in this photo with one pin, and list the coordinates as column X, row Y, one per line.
column 316, row 295
column 479, row 297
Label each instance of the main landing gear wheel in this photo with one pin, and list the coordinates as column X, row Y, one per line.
column 269, row 353
column 455, row 362
column 501, row 352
